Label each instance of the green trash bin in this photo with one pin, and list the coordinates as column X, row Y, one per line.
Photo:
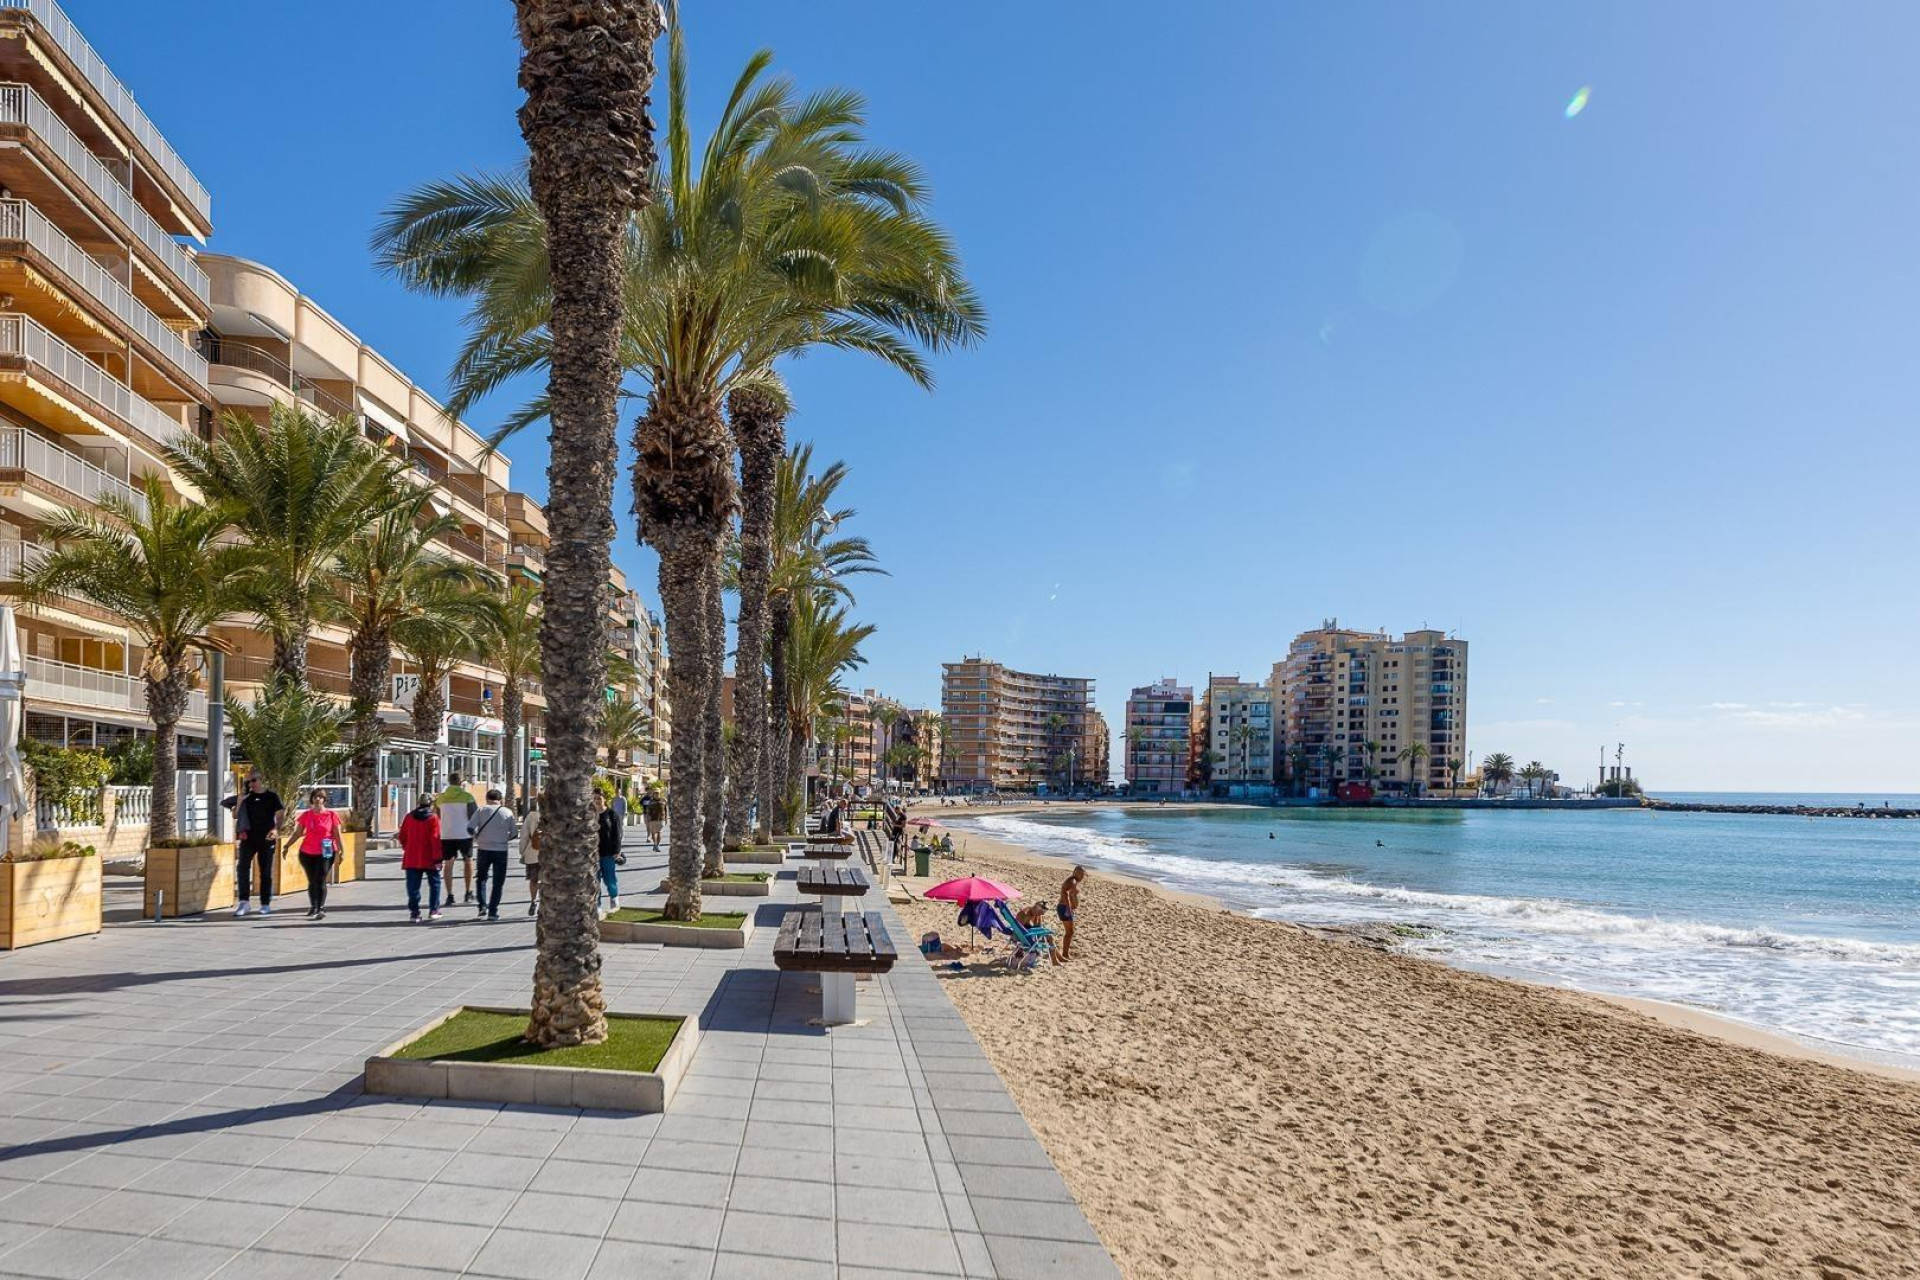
column 923, row 862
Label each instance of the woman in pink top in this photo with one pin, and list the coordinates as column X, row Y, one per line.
column 319, row 829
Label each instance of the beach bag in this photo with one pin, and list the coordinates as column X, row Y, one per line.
column 929, row 944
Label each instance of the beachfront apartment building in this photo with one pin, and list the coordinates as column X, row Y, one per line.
column 1159, row 736
column 1095, row 764
column 1012, row 730
column 1348, row 704
column 1239, row 733
column 100, row 300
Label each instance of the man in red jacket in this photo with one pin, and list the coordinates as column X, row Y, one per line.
column 420, row 855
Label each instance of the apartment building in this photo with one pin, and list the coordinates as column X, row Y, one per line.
column 99, row 299
column 919, row 728
column 638, row 637
column 1349, row 703
column 1239, row 734
column 1159, row 735
column 844, row 743
column 1095, row 765
column 1010, row 730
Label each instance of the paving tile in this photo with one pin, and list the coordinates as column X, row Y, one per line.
column 283, row 1186
column 1023, row 1152
column 474, row 1169
column 263, row 1264
column 136, row 1213
column 455, row 1205
column 694, row 1157
column 535, row 1255
column 358, row 1193
column 425, row 1242
column 106, row 1169
column 675, row 1186
column 167, row 1260
column 416, row 1163
column 902, row 1208
column 675, row 1224
column 64, row 1253
column 748, row 1266
column 1018, row 1258
column 856, row 1169
column 883, row 1245
column 783, row 1195
column 677, row 1128
column 625, row 1260
column 777, row 1235
column 49, row 1203
column 582, row 1178
column 223, row 1222
column 1038, row 1219
column 602, row 1148
column 505, row 1140
column 564, row 1215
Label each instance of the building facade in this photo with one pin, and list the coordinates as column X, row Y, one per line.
column 1239, row 730
column 1363, row 706
column 1095, row 765
column 1011, row 730
column 1159, row 737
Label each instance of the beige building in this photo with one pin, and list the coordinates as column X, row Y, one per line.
column 1012, row 730
column 99, row 302
column 1348, row 704
column 1159, row 734
column 1239, row 732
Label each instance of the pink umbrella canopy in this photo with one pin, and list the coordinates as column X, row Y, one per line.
column 923, row 823
column 972, row 889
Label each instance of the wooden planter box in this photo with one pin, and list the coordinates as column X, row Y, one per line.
column 47, row 900
column 662, row 934
column 195, row 879
column 529, row 1085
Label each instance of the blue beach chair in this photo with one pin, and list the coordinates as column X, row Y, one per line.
column 1028, row 944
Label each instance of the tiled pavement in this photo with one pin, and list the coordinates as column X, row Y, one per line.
column 182, row 1100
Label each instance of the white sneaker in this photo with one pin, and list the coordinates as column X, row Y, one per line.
column 240, row 910
column 266, row 911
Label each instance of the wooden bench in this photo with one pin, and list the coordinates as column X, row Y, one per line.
column 837, row 846
column 836, row 946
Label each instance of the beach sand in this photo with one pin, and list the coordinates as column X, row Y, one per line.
column 1234, row 1097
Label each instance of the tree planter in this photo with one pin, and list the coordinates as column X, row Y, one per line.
column 48, row 899
column 194, row 879
column 759, row 855
column 666, row 933
column 737, row 888
column 534, row 1084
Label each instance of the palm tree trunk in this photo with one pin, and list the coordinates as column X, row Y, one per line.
column 372, row 659
column 713, row 783
column 429, row 714
column 586, row 66
column 760, row 431
column 166, row 703
column 684, row 557
column 778, row 769
column 513, row 715
column 290, row 637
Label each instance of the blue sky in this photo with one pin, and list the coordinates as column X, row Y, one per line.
column 1299, row 311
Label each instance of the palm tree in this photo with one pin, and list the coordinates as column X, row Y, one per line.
column 1372, row 749
column 302, row 489
column 623, row 730
column 821, row 645
column 1536, row 775
column 1299, row 756
column 162, row 566
column 1454, row 765
column 387, row 575
column 1411, row 755
column 1332, row 755
column 291, row 734
column 586, row 67
column 1496, row 769
column 443, row 628
column 1242, row 737
column 887, row 715
column 513, row 649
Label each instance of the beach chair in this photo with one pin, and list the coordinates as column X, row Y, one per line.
column 1029, row 945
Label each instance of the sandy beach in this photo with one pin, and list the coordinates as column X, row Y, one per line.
column 1231, row 1097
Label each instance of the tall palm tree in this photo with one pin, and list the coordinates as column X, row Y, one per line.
column 888, row 716
column 1536, row 775
column 513, row 649
column 1412, row 755
column 586, row 67
column 1454, row 765
column 623, row 730
column 1372, row 748
column 1299, row 756
column 821, row 645
column 386, row 576
column 1496, row 769
column 1332, row 755
column 164, row 567
column 302, row 489
column 445, row 627
column 1242, row 737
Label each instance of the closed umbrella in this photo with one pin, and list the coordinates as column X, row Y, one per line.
column 13, row 680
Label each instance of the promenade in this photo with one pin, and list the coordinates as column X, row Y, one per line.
column 183, row 1100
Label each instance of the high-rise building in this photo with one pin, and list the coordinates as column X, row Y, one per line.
column 1239, row 720
column 1349, row 706
column 1010, row 730
column 99, row 300
column 1158, row 739
column 1095, row 764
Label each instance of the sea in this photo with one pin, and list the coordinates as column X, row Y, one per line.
column 1808, row 927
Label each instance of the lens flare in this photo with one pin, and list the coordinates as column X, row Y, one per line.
column 1579, row 102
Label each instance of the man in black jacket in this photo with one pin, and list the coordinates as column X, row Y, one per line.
column 257, row 825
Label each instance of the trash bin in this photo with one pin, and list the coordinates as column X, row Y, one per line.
column 923, row 861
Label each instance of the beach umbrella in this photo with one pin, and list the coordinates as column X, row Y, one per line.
column 972, row 889
column 922, row 823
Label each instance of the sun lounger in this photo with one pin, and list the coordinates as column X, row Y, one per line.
column 1028, row 944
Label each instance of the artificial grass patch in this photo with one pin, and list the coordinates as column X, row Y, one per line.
column 707, row 920
column 632, row 1044
column 743, row 877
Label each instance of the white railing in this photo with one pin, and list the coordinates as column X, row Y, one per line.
column 79, row 813
column 24, row 336
column 94, row 69
column 21, row 221
column 19, row 104
column 18, row 556
column 89, row 687
column 21, row 450
column 132, row 806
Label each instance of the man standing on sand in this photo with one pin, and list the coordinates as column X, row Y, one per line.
column 1069, row 907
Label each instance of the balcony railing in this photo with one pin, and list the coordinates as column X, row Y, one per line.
column 88, row 687
column 21, row 450
column 237, row 355
column 94, row 70
column 21, row 221
column 19, row 104
column 25, row 337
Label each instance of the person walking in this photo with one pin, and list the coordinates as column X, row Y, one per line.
column 530, row 854
column 457, row 808
column 421, row 853
column 256, row 824
column 608, row 830
column 494, row 830
column 320, row 841
column 619, row 805
column 650, row 808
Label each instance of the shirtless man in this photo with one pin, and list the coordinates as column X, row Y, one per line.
column 1068, row 908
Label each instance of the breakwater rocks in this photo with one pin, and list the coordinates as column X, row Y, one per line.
column 1789, row 810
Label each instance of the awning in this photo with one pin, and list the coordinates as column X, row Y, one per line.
column 391, row 421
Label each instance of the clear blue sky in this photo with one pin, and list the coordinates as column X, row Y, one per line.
column 1299, row 311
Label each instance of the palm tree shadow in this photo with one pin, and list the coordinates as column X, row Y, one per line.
column 219, row 1120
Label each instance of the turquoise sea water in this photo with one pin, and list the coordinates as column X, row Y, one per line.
column 1808, row 926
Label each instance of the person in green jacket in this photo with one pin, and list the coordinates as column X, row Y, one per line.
column 456, row 805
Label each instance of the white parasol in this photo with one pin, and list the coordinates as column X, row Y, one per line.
column 12, row 685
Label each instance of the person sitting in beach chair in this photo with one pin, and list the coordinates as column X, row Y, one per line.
column 1029, row 941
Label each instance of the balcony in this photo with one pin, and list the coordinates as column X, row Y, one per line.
column 238, row 355
column 466, row 546
column 87, row 687
column 26, row 340
column 93, row 69
column 26, row 457
column 20, row 105
column 21, row 221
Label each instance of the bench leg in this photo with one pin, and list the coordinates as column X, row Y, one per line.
column 836, row 999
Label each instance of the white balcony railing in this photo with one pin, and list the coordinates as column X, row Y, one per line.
column 94, row 69
column 21, row 221
column 19, row 104
column 25, row 337
column 21, row 450
column 87, row 687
